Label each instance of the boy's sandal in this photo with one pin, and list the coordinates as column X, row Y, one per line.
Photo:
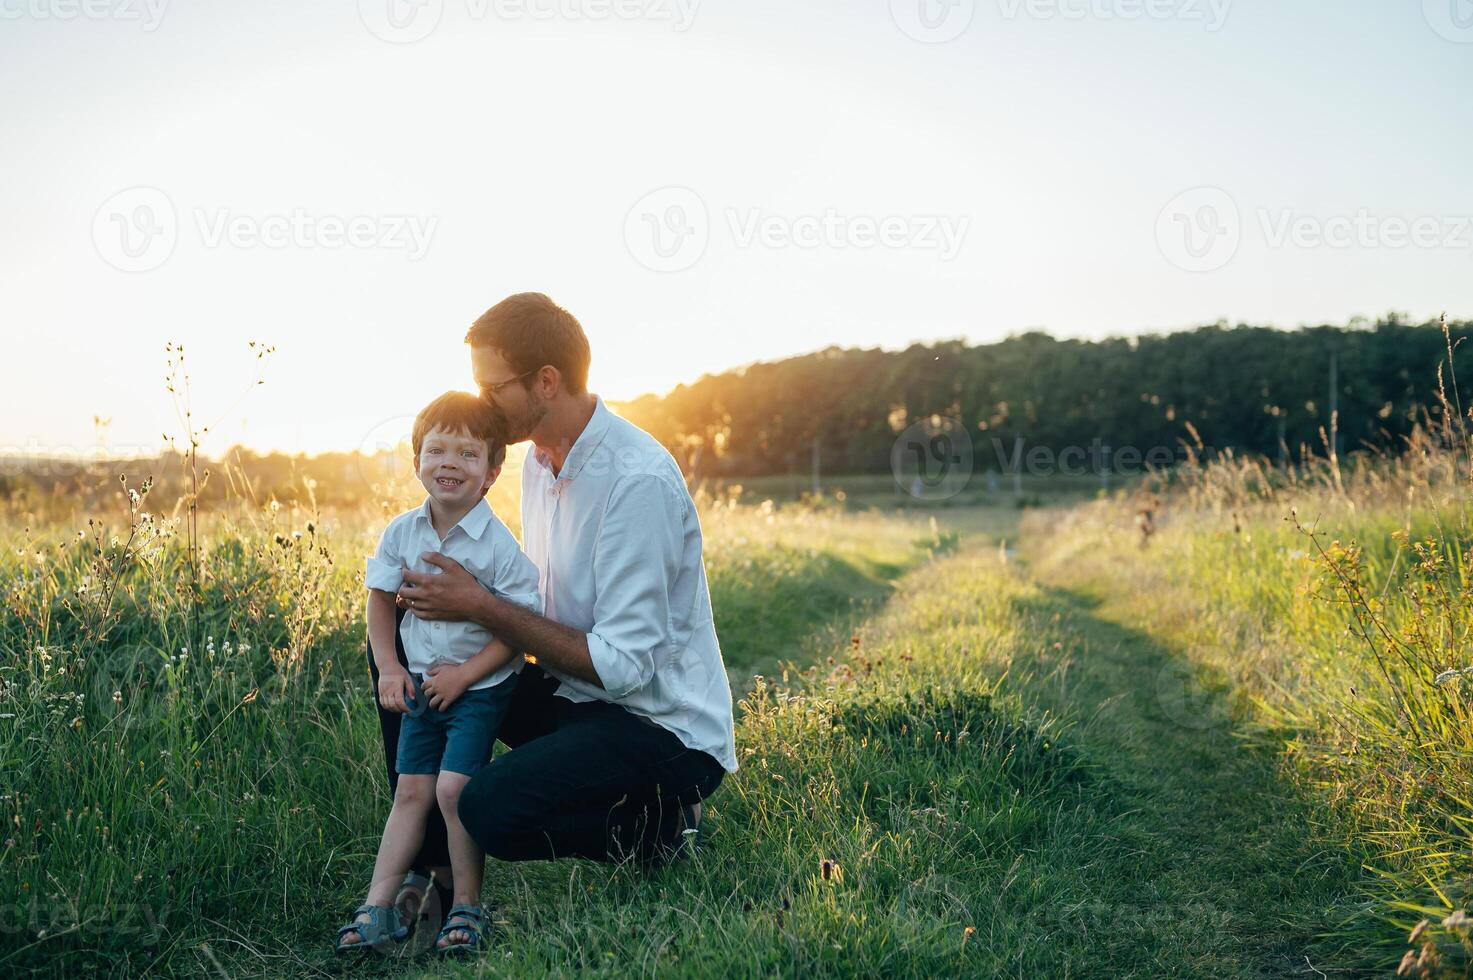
column 384, row 926
column 470, row 919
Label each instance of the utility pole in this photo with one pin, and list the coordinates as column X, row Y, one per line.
column 817, row 451
column 1334, row 403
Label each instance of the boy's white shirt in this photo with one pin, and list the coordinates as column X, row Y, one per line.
column 487, row 549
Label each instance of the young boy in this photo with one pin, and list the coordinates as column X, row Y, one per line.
column 460, row 677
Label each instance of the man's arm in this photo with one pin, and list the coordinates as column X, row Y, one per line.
column 454, row 594
column 639, row 554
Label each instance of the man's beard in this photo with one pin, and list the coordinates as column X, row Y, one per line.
column 518, row 427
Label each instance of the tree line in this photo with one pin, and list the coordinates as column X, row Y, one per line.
column 1278, row 393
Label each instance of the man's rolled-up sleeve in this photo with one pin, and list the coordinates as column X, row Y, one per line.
column 635, row 563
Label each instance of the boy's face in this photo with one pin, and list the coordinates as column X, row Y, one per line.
column 455, row 467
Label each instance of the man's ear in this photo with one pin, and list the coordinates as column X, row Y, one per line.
column 549, row 381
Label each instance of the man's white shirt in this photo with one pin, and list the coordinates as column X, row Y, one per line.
column 487, row 549
column 617, row 540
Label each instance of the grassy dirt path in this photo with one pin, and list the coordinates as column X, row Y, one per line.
column 1223, row 852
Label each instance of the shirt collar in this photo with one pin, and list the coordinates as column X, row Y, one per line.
column 584, row 446
column 474, row 523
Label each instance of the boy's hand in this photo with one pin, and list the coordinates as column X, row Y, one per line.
column 445, row 683
column 395, row 690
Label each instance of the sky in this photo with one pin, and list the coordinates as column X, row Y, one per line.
column 704, row 183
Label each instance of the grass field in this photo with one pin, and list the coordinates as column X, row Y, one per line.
column 969, row 747
column 189, row 783
column 1330, row 611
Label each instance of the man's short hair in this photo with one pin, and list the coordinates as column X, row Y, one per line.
column 529, row 330
column 460, row 411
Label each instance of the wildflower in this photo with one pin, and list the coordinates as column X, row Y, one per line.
column 118, row 697
column 830, row 871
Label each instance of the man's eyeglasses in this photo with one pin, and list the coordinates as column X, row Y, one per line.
column 494, row 389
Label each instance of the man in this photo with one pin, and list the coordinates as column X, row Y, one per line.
column 624, row 724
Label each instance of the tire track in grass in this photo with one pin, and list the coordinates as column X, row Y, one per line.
column 1228, row 855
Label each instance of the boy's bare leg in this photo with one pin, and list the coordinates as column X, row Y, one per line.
column 403, row 833
column 467, row 863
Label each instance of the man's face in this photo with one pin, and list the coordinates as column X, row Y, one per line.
column 521, row 409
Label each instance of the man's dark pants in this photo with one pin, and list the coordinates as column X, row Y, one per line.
column 585, row 780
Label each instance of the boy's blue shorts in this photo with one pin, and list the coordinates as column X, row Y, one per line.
column 457, row 739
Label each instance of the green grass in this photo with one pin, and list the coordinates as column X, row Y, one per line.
column 1073, row 757
column 186, row 782
column 1325, row 606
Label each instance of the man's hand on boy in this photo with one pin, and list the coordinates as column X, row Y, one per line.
column 395, row 690
column 445, row 683
column 451, row 593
